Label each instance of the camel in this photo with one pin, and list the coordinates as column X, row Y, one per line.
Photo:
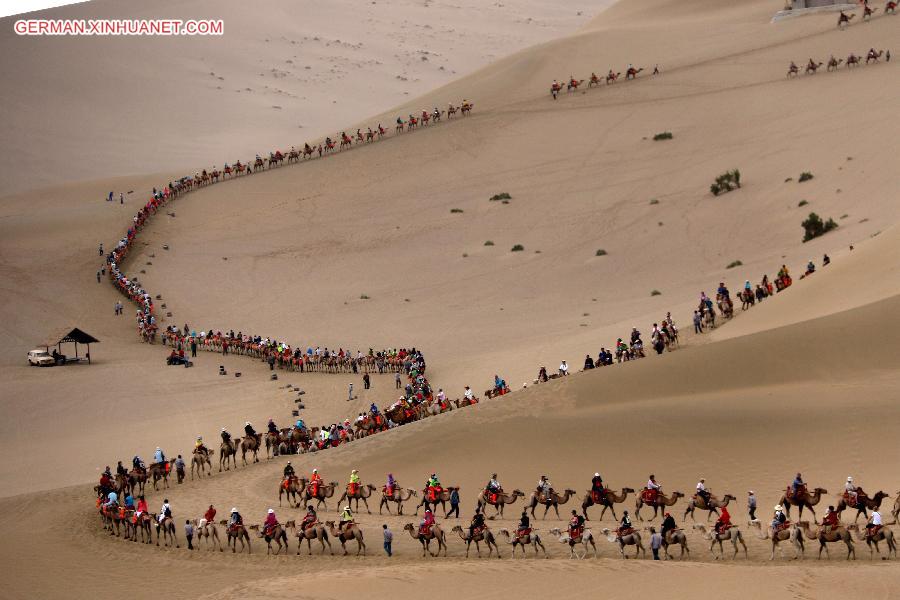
column 228, row 450
column 198, row 460
column 607, row 499
column 732, row 534
column 207, row 531
column 323, row 493
column 660, row 501
column 868, row 12
column 714, row 504
column 259, row 164
column 434, row 533
column 595, row 80
column 529, row 538
column 277, row 534
column 554, row 500
column 844, row 19
column 502, row 500
column 396, row 496
column 791, row 533
column 612, row 77
column 673, row 537
column 144, row 524
column 853, row 61
column 112, row 517
column 160, row 471
column 167, row 526
column 812, row 67
column 884, row 534
column 573, row 84
column 890, row 7
column 802, row 499
column 443, row 497
column 466, row 108
column 873, row 55
column 235, row 533
column 895, row 512
column 863, row 502
column 834, row 63
column 272, row 444
column 838, row 534
column 586, row 538
column 632, row 73
column 291, row 489
column 251, row 444
column 363, row 492
column 465, row 402
column 632, row 539
column 482, row 535
column 315, row 531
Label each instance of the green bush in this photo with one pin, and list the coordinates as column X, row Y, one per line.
column 456, row 210
column 656, row 293
column 654, row 201
column 814, row 227
column 802, row 203
column 363, row 297
column 600, row 252
column 805, row 176
column 501, row 196
column 733, row 264
column 489, row 243
column 665, row 135
column 726, row 182
column 517, row 248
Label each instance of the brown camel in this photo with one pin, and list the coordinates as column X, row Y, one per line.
column 291, row 489
column 227, row 451
column 199, row 459
column 144, row 524
column 607, row 500
column 277, row 534
column 675, row 537
column 884, row 534
column 528, row 538
column 158, row 471
column 323, row 493
column 167, row 527
column 398, row 495
column 349, row 531
column 836, row 534
column 863, row 502
column 895, row 512
column 206, row 531
column 443, row 497
column 235, row 533
column 502, row 500
column 273, row 440
column 424, row 538
column 363, row 492
column 586, row 538
column 315, row 531
column 711, row 507
column 632, row 73
column 657, row 503
column 632, row 539
column 803, row 499
column 834, row 63
column 553, row 500
column 732, row 534
column 482, row 535
column 251, row 444
column 791, row 533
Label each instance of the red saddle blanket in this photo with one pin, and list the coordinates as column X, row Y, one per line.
column 575, row 532
column 434, row 492
column 622, row 532
column 597, row 496
column 425, row 530
column 649, row 495
column 523, row 532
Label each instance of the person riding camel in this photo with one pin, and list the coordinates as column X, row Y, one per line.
column 138, row 464
column 874, row 525
column 576, row 525
column 653, row 489
column 779, row 519
column 831, row 520
column 852, row 495
column 248, row 430
column 210, row 514
column 702, row 491
column 798, row 487
column 668, row 525
column 141, row 506
column 120, row 469
column 200, row 447
column 346, row 518
column 390, row 485
column 524, row 527
column 723, row 523
column 112, row 501
column 597, row 487
column 272, row 427
column 477, row 523
column 433, row 487
column 289, row 473
column 270, row 523
column 544, row 488
column 236, row 519
column 810, row 268
column 625, row 526
column 165, row 511
column 353, row 484
column 315, row 480
column 493, row 489
column 469, row 395
column 309, row 519
column 226, row 437
column 427, row 522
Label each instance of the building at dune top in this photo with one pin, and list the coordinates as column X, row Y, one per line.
column 800, row 4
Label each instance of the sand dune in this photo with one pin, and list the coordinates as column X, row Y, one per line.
column 808, row 381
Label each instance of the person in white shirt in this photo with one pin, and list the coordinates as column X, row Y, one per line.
column 441, row 396
column 563, row 368
column 702, row 491
column 653, row 486
column 469, row 395
column 851, row 491
column 165, row 511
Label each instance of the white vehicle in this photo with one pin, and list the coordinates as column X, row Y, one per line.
column 40, row 358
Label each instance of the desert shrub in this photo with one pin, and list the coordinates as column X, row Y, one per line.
column 501, row 196
column 363, row 297
column 726, row 182
column 600, row 252
column 665, row 135
column 814, row 227
column 489, row 243
column 517, row 248
column 733, row 264
column 656, row 293
column 805, row 176
column 654, row 201
column 802, row 203
column 456, row 210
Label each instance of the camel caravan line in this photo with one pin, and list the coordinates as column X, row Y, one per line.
column 138, row 524
column 844, row 19
column 572, row 84
column 832, row 64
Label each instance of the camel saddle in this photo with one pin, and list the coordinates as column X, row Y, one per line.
column 622, row 532
column 425, row 530
column 648, row 495
column 575, row 532
column 478, row 530
column 723, row 527
column 491, row 496
column 388, row 491
column 801, row 491
column 352, row 488
column 848, row 500
column 307, row 523
column 873, row 531
column 523, row 532
column 433, row 492
column 781, row 526
column 287, row 482
column 598, row 496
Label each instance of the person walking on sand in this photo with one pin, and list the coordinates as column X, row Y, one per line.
column 388, row 540
column 366, row 383
column 350, row 393
column 397, row 380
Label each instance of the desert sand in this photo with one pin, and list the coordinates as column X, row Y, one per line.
column 807, row 381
